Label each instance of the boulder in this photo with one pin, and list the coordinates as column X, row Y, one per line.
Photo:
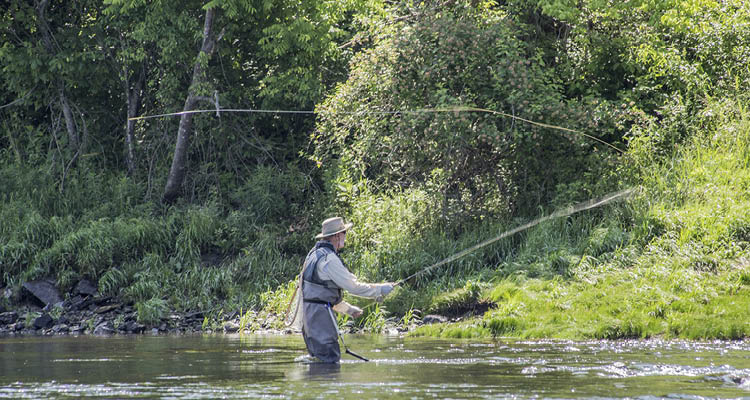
column 43, row 322
column 231, row 327
column 44, row 290
column 134, row 327
column 85, row 288
column 104, row 328
column 60, row 328
column 8, row 318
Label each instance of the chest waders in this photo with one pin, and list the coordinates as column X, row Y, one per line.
column 319, row 327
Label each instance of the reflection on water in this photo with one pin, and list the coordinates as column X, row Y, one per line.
column 227, row 366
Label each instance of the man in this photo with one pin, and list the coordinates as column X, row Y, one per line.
column 323, row 277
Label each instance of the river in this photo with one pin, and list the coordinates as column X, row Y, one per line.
column 234, row 366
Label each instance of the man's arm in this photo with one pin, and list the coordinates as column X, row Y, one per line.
column 332, row 268
column 348, row 309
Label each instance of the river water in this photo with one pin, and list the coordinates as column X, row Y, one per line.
column 233, row 366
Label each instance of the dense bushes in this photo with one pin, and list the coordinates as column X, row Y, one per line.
column 473, row 164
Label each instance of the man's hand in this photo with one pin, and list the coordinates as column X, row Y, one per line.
column 387, row 288
column 356, row 313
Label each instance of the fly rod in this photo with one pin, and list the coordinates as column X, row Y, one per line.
column 336, row 325
column 586, row 205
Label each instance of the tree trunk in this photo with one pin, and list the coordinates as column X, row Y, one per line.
column 47, row 39
column 133, row 97
column 70, row 124
column 177, row 171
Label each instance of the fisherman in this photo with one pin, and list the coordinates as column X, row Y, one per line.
column 323, row 278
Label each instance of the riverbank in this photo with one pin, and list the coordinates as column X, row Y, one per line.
column 105, row 316
column 86, row 312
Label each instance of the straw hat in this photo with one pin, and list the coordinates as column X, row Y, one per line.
column 332, row 226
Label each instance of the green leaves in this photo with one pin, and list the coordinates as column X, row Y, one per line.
column 442, row 60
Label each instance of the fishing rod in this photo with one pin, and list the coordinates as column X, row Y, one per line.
column 336, row 325
column 586, row 205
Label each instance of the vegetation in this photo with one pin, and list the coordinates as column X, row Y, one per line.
column 438, row 125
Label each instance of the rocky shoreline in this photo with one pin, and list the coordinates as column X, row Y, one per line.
column 85, row 312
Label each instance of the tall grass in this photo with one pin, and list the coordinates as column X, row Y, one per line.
column 223, row 252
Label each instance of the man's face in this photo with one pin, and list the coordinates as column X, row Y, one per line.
column 340, row 239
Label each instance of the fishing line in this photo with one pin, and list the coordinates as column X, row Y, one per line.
column 417, row 111
column 586, row 205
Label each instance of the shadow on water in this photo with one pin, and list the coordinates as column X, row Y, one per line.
column 232, row 366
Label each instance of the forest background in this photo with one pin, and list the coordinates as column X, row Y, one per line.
column 436, row 125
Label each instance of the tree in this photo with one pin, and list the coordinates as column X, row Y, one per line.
column 177, row 171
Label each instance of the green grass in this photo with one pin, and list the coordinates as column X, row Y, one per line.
column 215, row 253
column 671, row 263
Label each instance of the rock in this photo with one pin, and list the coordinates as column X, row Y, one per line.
column 60, row 328
column 6, row 293
column 101, row 300
column 44, row 290
column 77, row 303
column 86, row 288
column 231, row 327
column 51, row 306
column 134, row 327
column 198, row 315
column 75, row 329
column 8, row 318
column 43, row 322
column 104, row 328
column 432, row 318
column 104, row 309
column 155, row 331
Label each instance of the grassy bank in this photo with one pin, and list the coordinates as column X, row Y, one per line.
column 673, row 262
column 223, row 254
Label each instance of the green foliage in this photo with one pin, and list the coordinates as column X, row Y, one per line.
column 197, row 229
column 687, row 281
column 276, row 301
column 190, row 256
column 151, row 311
column 473, row 164
column 373, row 319
column 666, row 77
column 457, row 301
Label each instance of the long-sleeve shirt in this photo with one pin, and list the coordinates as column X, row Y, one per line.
column 331, row 268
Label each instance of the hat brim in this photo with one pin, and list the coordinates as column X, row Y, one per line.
column 346, row 228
